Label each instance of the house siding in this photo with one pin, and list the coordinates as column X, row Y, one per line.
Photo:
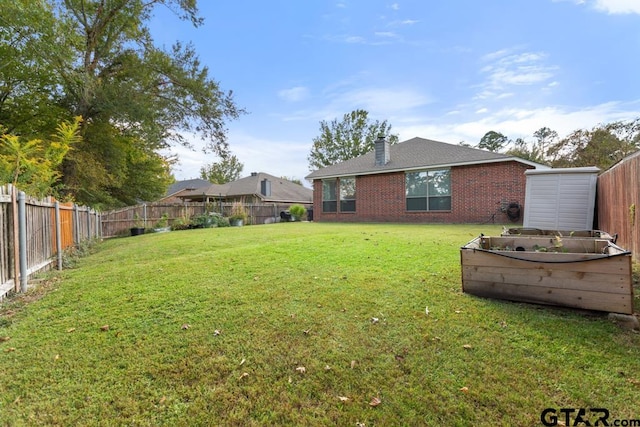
column 478, row 193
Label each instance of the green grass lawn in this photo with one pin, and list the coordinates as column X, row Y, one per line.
column 299, row 324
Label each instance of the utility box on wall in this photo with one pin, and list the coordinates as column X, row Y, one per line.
column 560, row 199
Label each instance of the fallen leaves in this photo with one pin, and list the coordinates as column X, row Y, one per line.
column 244, row 375
column 464, row 389
column 104, row 328
column 71, row 330
column 467, row 346
column 185, row 326
column 343, row 398
column 4, row 339
column 375, row 401
column 301, row 369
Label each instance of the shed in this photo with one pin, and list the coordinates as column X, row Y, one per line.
column 561, row 198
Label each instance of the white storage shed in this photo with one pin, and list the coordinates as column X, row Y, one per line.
column 561, row 198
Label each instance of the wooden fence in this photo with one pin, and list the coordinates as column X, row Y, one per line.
column 34, row 233
column 118, row 222
column 618, row 203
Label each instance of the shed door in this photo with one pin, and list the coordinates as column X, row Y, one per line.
column 561, row 201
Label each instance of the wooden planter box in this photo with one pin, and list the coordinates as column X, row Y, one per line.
column 579, row 272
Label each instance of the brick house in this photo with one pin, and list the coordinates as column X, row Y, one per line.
column 420, row 180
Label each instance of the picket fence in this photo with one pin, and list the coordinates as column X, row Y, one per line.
column 35, row 233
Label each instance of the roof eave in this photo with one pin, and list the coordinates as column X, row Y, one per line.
column 443, row 165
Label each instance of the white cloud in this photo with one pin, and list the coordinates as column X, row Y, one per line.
column 388, row 34
column 395, row 6
column 384, row 102
column 295, row 94
column 506, row 70
column 517, row 122
column 610, row 6
column 275, row 157
column 618, row 6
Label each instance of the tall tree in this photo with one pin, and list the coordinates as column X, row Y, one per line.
column 536, row 151
column 545, row 137
column 226, row 170
column 602, row 146
column 351, row 137
column 493, row 141
column 134, row 97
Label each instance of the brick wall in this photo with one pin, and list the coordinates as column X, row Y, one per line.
column 478, row 193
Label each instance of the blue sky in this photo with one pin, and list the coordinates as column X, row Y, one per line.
column 445, row 70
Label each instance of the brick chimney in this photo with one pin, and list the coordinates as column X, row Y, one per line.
column 382, row 151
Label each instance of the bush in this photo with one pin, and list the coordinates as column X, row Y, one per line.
column 297, row 212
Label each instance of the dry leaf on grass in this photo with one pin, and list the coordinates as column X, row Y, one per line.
column 4, row 339
column 375, row 401
column 216, row 333
column 327, row 367
column 467, row 347
column 301, row 369
column 464, row 389
column 374, row 320
column 56, row 357
column 10, row 349
column 343, row 398
column 242, row 362
column 104, row 328
column 244, row 375
column 185, row 326
column 71, row 330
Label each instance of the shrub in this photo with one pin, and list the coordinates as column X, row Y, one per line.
column 297, row 211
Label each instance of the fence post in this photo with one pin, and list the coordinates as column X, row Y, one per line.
column 88, row 216
column 144, row 213
column 76, row 232
column 58, row 235
column 22, row 232
column 98, row 223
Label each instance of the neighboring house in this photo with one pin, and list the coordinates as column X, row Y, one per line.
column 259, row 187
column 421, row 180
column 181, row 187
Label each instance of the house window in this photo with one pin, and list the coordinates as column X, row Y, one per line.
column 348, row 194
column 428, row 190
column 329, row 200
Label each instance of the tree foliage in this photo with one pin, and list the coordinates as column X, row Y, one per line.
column 32, row 165
column 96, row 59
column 493, row 141
column 351, row 137
column 601, row 146
column 228, row 169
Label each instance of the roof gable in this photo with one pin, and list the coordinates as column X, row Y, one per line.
column 282, row 190
column 415, row 153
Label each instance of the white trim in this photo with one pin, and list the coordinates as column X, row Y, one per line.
column 586, row 169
